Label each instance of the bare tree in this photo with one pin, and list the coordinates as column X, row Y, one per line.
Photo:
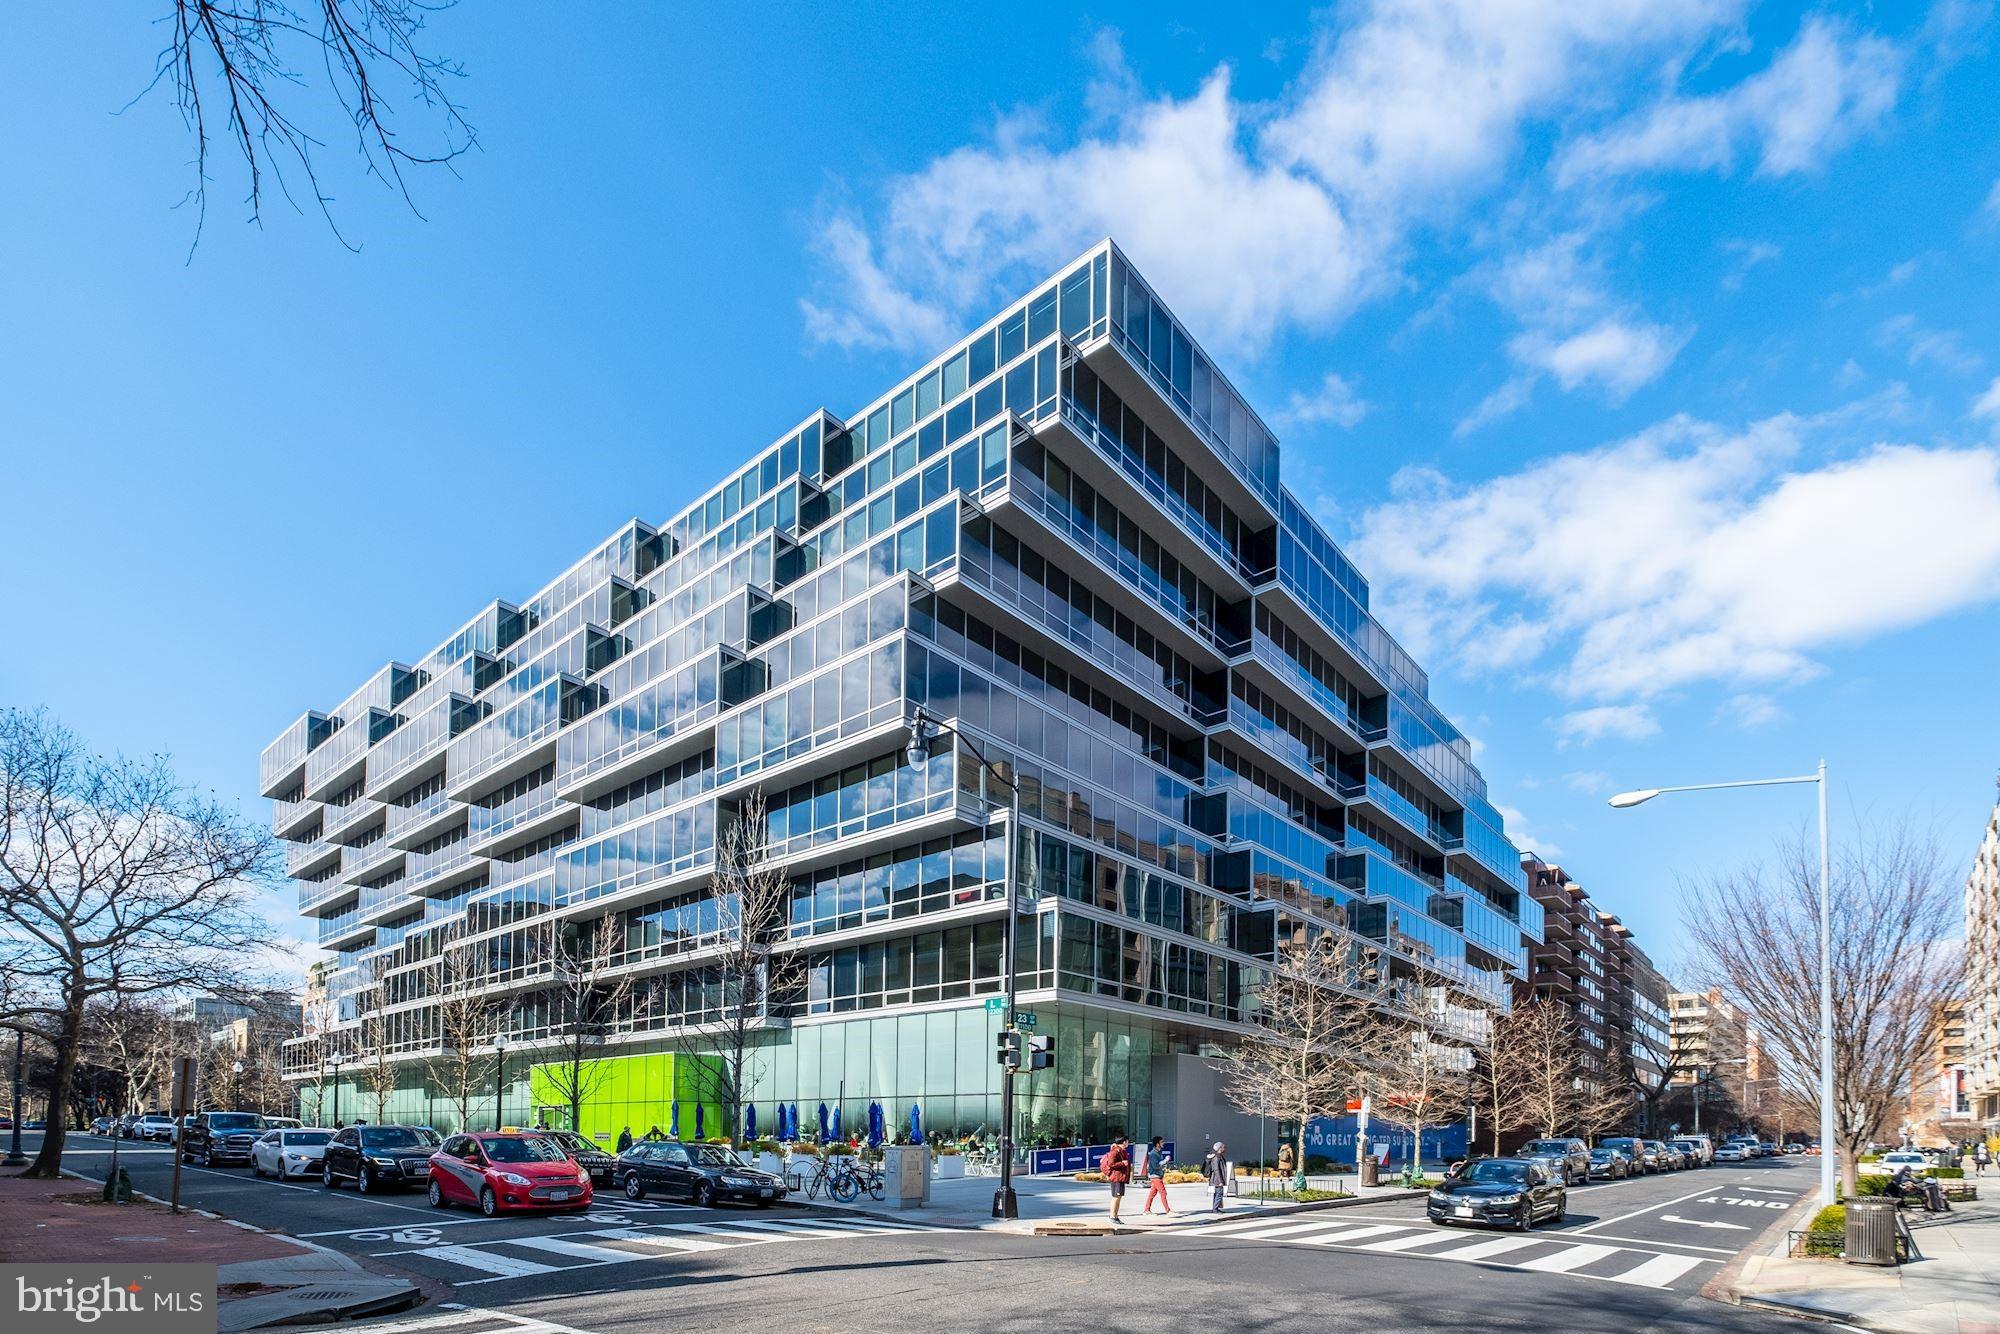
column 115, row 881
column 752, row 980
column 1541, row 1045
column 1320, row 1031
column 587, row 998
column 1425, row 1080
column 242, row 64
column 1893, row 911
column 373, row 1044
column 1604, row 1103
column 467, row 1017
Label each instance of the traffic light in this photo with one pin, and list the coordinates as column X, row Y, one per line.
column 1041, row 1052
column 1007, row 1049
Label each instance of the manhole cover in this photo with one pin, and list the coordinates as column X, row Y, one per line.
column 318, row 1295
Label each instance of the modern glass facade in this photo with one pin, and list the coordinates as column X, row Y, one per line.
column 1066, row 541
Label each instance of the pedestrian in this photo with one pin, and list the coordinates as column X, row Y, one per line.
column 1981, row 1155
column 1215, row 1167
column 654, row 1133
column 625, row 1139
column 1156, row 1177
column 1285, row 1161
column 1116, row 1165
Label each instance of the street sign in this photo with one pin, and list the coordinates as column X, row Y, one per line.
column 994, row 1004
column 1024, row 1018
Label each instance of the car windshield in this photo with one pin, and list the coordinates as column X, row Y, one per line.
column 236, row 1121
column 397, row 1137
column 533, row 1149
column 1602, row 1153
column 715, row 1155
column 1549, row 1146
column 307, row 1137
column 1511, row 1173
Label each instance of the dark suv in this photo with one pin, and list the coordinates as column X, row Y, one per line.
column 211, row 1138
column 378, row 1157
column 584, row 1153
column 1571, row 1157
column 699, row 1173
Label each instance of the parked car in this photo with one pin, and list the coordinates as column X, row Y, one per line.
column 1499, row 1192
column 587, row 1155
column 1768, row 1149
column 1609, row 1164
column 103, row 1125
column 212, row 1138
column 154, row 1126
column 702, row 1174
column 1731, row 1153
column 285, row 1152
column 378, row 1157
column 1702, row 1147
column 1674, row 1159
column 500, row 1171
column 1911, row 1158
column 1748, row 1143
column 1572, row 1156
column 1795, row 1147
column 1635, row 1150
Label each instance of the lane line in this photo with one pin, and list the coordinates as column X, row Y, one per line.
column 1342, row 1238
column 1486, row 1249
column 639, row 1238
column 1660, row 1271
column 1664, row 1204
column 1294, row 1229
column 1412, row 1241
column 1676, row 1245
column 1570, row 1257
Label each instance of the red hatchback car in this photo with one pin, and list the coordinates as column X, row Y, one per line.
column 498, row 1172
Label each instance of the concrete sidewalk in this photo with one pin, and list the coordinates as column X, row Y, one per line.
column 1954, row 1289
column 261, row 1278
column 1052, row 1200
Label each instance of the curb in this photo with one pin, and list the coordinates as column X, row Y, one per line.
column 1722, row 1288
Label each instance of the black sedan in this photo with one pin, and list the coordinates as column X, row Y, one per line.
column 377, row 1157
column 1499, row 1192
column 584, row 1154
column 701, row 1174
column 1609, row 1165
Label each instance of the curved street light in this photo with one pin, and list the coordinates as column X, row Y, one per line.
column 1625, row 800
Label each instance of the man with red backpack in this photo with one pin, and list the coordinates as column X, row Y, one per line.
column 1116, row 1165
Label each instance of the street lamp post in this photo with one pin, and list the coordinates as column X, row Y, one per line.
column 236, row 1081
column 15, row 1158
column 1826, row 1109
column 917, row 752
column 499, row 1080
column 333, row 1073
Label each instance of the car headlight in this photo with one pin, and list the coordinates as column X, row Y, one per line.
column 514, row 1179
column 1505, row 1199
column 383, row 1162
column 737, row 1181
column 1441, row 1196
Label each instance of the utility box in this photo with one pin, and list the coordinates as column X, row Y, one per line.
column 906, row 1175
column 1871, row 1230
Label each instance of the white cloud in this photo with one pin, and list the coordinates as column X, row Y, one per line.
column 1254, row 218
column 1519, row 834
column 1750, row 710
column 1815, row 97
column 1918, row 343
column 1588, row 781
column 1333, row 403
column 1993, row 202
column 1988, row 403
column 1627, row 722
column 1686, row 554
column 1616, row 355
column 1509, row 398
column 1747, row 256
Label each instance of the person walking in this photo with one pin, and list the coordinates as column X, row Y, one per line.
column 1116, row 1165
column 1215, row 1168
column 625, row 1139
column 1157, row 1158
column 1981, row 1155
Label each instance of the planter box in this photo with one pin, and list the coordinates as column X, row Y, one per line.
column 772, row 1163
column 950, row 1167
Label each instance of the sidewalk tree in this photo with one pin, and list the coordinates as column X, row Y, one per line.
column 724, row 1007
column 1542, row 1045
column 590, row 995
column 461, row 1065
column 373, row 1046
column 1425, row 1079
column 1319, row 1032
column 243, row 73
column 1894, row 910
column 116, row 882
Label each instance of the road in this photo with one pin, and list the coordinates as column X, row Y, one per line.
column 1629, row 1256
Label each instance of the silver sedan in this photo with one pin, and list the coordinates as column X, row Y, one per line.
column 288, row 1153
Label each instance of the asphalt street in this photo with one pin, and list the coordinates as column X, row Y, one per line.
column 1628, row 1256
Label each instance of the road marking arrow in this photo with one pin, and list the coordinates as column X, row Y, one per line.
column 1696, row 1222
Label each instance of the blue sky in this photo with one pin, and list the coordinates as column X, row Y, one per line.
column 1644, row 353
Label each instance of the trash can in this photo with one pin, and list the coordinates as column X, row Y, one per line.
column 1371, row 1171
column 1871, row 1230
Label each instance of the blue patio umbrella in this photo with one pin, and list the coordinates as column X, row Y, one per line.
column 823, row 1133
column 795, row 1120
column 874, row 1124
column 697, row 1120
column 784, row 1124
column 916, row 1125
column 836, row 1123
column 750, row 1121
column 674, row 1122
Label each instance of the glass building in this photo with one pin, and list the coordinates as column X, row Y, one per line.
column 1065, row 539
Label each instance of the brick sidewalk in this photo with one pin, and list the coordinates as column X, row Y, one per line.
column 68, row 1220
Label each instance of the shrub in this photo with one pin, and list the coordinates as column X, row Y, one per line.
column 1090, row 1176
column 1182, row 1177
column 1948, row 1173
column 764, row 1146
column 1826, row 1235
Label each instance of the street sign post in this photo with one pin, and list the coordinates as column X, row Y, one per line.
column 184, row 1074
column 994, row 1004
column 1024, row 1018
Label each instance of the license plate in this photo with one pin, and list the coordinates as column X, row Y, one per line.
column 1462, row 1211
column 765, row 1192
column 558, row 1194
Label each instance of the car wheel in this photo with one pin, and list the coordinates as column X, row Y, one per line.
column 327, row 1178
column 703, row 1195
column 256, row 1168
column 1558, row 1217
column 364, row 1181
column 633, row 1190
column 204, row 1159
column 489, row 1203
column 1526, row 1221
column 437, row 1195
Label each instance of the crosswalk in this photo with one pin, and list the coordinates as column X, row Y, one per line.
column 470, row 1262
column 1538, row 1252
